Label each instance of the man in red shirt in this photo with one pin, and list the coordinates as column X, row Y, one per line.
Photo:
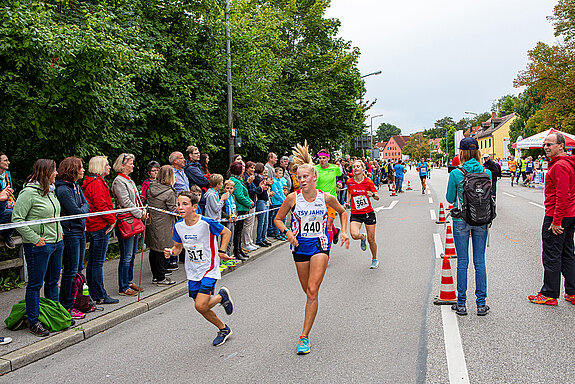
column 558, row 224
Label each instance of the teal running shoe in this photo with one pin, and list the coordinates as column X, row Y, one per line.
column 374, row 264
column 303, row 347
column 364, row 242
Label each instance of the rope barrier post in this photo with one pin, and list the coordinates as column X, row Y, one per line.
column 142, row 254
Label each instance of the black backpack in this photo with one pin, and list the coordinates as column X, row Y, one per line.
column 478, row 206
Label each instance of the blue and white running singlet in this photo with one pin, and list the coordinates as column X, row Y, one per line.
column 309, row 225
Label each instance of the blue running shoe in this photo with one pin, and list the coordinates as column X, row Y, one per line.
column 364, row 242
column 222, row 336
column 374, row 263
column 226, row 302
column 303, row 347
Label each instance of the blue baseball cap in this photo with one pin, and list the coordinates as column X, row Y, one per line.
column 468, row 143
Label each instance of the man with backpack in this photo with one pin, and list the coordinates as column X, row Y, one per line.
column 469, row 190
column 558, row 224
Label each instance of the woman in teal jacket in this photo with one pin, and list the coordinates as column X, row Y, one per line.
column 243, row 205
column 43, row 245
column 469, row 156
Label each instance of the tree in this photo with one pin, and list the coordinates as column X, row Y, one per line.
column 505, row 105
column 551, row 74
column 417, row 146
column 385, row 131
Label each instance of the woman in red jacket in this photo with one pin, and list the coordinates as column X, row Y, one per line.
column 97, row 193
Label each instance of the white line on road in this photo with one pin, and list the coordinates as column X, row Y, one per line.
column 509, row 194
column 393, row 203
column 537, row 205
column 438, row 245
column 432, row 214
column 431, row 200
column 453, row 349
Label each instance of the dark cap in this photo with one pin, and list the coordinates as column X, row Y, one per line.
column 468, row 143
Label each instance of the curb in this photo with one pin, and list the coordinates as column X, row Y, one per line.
column 59, row 341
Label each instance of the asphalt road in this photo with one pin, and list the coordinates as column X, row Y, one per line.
column 373, row 325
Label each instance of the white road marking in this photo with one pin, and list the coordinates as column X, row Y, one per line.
column 431, row 200
column 429, row 191
column 537, row 205
column 432, row 214
column 393, row 203
column 456, row 364
column 509, row 194
column 438, row 245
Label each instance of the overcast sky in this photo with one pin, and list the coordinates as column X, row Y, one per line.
column 440, row 57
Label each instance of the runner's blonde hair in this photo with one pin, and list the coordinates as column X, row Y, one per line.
column 302, row 158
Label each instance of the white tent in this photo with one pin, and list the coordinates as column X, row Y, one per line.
column 536, row 141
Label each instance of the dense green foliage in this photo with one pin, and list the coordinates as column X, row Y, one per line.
column 148, row 77
column 385, row 131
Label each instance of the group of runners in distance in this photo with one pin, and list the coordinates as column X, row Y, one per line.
column 313, row 209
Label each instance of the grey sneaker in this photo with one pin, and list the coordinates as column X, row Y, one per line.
column 166, row 281
column 482, row 310
column 461, row 310
column 38, row 329
column 364, row 242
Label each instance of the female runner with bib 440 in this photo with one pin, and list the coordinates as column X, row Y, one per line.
column 308, row 236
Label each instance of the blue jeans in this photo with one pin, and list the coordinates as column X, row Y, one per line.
column 398, row 184
column 73, row 262
column 272, row 229
column 43, row 265
column 128, row 250
column 461, row 233
column 262, row 229
column 6, row 217
column 95, row 268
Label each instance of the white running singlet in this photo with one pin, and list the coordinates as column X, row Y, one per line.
column 309, row 225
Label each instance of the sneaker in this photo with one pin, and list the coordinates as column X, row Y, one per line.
column 303, row 347
column 9, row 242
column 166, row 281
column 251, row 247
column 336, row 235
column 542, row 299
column 364, row 241
column 267, row 243
column 222, row 336
column 128, row 292
column 262, row 244
column 172, row 267
column 374, row 263
column 107, row 300
column 76, row 314
column 38, row 330
column 168, row 273
column 5, row 340
column 226, row 302
column 461, row 310
column 223, row 267
column 255, row 246
column 482, row 310
column 569, row 298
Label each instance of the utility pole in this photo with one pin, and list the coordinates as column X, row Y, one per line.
column 231, row 131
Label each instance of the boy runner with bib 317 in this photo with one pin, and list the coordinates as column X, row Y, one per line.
column 198, row 235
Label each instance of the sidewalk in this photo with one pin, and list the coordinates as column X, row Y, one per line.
column 27, row 348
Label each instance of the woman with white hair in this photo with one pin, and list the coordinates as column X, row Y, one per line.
column 126, row 196
column 97, row 194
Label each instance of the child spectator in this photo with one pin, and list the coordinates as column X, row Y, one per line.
column 277, row 200
column 197, row 235
column 231, row 213
column 198, row 191
column 215, row 203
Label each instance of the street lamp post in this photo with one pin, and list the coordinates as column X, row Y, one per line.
column 361, row 99
column 231, row 133
column 371, row 128
column 371, row 74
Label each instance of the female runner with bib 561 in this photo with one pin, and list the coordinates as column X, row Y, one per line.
column 308, row 236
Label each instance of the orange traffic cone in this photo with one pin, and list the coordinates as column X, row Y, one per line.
column 441, row 219
column 447, row 294
column 450, row 207
column 408, row 186
column 393, row 191
column 449, row 243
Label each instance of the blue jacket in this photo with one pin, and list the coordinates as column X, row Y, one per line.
column 73, row 202
column 194, row 172
column 454, row 193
